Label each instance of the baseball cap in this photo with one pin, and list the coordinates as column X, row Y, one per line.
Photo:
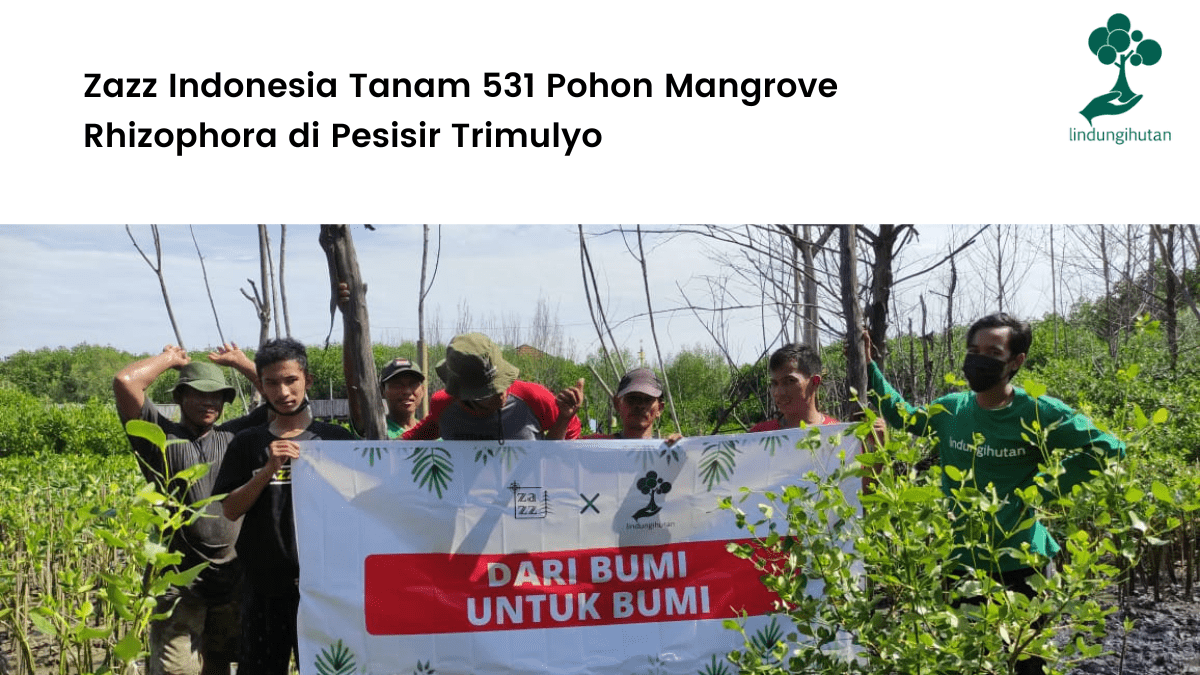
column 641, row 380
column 398, row 366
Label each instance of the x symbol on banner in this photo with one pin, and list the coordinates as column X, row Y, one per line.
column 589, row 503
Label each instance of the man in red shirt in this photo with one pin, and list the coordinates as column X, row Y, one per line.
column 795, row 379
column 484, row 400
column 639, row 403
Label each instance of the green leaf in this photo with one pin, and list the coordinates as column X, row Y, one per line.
column 1035, row 389
column 1134, row 494
column 42, row 622
column 128, row 649
column 1160, row 415
column 1162, row 493
column 86, row 632
column 148, row 431
column 1138, row 523
column 953, row 472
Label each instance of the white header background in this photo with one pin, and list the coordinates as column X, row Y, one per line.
column 945, row 112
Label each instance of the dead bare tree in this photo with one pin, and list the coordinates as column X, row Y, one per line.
column 362, row 384
column 422, row 293
column 612, row 355
column 207, row 287
column 157, row 267
column 264, row 238
column 287, row 321
column 654, row 333
column 856, row 364
column 884, row 244
column 261, row 302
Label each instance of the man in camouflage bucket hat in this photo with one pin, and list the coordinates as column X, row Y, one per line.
column 200, row 634
column 484, row 400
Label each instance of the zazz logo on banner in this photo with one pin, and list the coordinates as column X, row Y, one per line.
column 1116, row 45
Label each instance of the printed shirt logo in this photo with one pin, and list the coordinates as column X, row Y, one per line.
column 283, row 476
column 1116, row 45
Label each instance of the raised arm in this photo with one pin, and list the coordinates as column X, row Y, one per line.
column 131, row 382
column 231, row 355
column 898, row 412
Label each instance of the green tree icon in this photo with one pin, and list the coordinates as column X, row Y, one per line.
column 1114, row 44
column 651, row 484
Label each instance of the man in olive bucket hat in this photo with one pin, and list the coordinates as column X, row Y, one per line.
column 200, row 635
column 484, row 400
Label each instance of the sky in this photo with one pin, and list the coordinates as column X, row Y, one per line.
column 71, row 284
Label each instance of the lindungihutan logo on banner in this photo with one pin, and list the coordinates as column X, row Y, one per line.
column 1116, row 44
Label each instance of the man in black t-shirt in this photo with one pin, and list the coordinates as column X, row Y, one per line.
column 201, row 632
column 257, row 475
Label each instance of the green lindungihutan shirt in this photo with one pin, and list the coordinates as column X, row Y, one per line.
column 1002, row 457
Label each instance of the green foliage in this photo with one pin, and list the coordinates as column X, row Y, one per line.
column 699, row 381
column 887, row 578
column 89, row 557
column 64, row 375
column 29, row 425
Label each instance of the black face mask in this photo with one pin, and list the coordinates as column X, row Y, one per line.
column 299, row 409
column 983, row 372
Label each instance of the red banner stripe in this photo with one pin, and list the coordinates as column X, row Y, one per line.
column 425, row 593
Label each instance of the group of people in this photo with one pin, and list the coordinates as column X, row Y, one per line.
column 249, row 592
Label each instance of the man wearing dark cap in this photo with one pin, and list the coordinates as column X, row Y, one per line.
column 201, row 633
column 403, row 386
column 639, row 404
column 484, row 400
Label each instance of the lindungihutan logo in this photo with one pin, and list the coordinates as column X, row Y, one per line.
column 1115, row 44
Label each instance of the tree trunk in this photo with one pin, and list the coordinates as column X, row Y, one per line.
column 287, row 321
column 1054, row 292
column 422, row 346
column 999, row 271
column 362, row 383
column 884, row 246
column 263, row 303
column 856, row 365
column 811, row 317
column 270, row 270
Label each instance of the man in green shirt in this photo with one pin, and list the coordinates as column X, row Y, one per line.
column 984, row 430
column 403, row 386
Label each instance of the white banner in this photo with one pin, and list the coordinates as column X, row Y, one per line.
column 563, row 557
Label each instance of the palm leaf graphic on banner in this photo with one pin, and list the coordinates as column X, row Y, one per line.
column 717, row 461
column 656, row 666
column 423, row 669
column 505, row 453
column 648, row 458
column 373, row 453
column 772, row 443
column 765, row 639
column 336, row 659
column 714, row 668
column 432, row 468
